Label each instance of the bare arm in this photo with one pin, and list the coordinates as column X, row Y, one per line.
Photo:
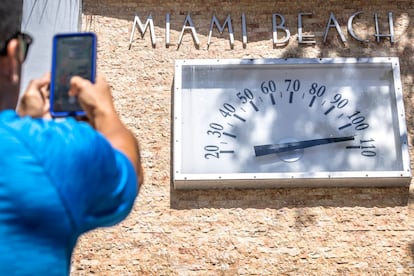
column 96, row 100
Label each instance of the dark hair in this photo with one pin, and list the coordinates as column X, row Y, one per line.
column 10, row 19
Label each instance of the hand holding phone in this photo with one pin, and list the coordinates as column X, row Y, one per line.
column 35, row 100
column 74, row 54
column 96, row 97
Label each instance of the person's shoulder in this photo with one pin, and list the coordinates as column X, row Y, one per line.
column 35, row 126
column 8, row 116
column 39, row 133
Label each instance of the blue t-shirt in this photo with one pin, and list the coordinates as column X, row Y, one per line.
column 58, row 179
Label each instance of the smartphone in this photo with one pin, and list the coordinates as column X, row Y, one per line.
column 73, row 54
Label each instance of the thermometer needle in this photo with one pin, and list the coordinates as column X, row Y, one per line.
column 290, row 146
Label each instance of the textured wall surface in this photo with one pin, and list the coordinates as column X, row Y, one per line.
column 292, row 231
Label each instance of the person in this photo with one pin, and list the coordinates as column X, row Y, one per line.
column 58, row 178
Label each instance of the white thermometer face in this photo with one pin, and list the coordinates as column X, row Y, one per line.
column 290, row 118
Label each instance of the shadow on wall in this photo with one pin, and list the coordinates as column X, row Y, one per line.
column 412, row 250
column 279, row 198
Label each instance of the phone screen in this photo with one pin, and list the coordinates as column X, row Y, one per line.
column 73, row 55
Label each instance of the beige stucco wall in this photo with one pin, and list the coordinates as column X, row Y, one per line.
column 294, row 231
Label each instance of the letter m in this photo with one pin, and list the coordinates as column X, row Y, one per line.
column 142, row 29
column 227, row 22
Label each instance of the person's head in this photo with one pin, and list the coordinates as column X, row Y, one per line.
column 13, row 51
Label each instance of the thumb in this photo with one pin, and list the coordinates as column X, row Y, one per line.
column 78, row 85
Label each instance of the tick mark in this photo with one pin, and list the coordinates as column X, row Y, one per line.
column 345, row 126
column 227, row 151
column 291, row 97
column 254, row 106
column 229, row 135
column 240, row 118
column 272, row 99
column 353, row 147
column 329, row 110
column 312, row 101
